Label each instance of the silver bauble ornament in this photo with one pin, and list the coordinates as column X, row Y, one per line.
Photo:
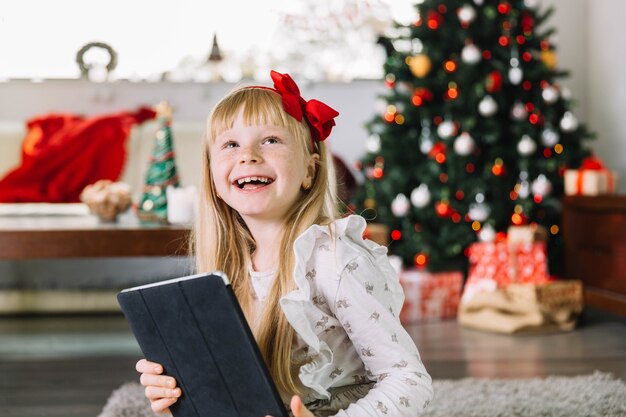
column 487, row 106
column 524, row 189
column 515, row 75
column 464, row 144
column 426, row 145
column 549, row 136
column 550, row 94
column 380, row 105
column 400, row 205
column 373, row 143
column 405, row 88
column 479, row 212
column 518, row 111
column 487, row 234
column 420, row 196
column 471, row 54
column 526, row 146
column 568, row 123
column 466, row 14
column 446, row 129
column 426, row 140
column 541, row 186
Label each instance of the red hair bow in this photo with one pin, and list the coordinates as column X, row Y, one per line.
column 318, row 115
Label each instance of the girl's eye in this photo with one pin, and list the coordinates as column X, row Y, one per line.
column 230, row 145
column 271, row 140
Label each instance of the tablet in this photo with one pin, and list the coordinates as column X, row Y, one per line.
column 196, row 329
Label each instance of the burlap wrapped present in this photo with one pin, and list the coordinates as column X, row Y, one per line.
column 519, row 308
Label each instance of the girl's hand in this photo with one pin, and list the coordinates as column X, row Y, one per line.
column 160, row 389
column 298, row 409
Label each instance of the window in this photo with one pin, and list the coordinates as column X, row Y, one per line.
column 40, row 38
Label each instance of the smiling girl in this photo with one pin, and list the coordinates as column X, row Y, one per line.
column 323, row 302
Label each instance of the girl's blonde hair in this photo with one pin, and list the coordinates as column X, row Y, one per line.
column 222, row 241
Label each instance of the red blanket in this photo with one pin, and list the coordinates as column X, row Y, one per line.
column 63, row 153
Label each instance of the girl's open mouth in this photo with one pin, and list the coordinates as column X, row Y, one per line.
column 252, row 183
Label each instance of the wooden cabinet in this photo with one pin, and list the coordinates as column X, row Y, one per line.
column 594, row 232
column 48, row 237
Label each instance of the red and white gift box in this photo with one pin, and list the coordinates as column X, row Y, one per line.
column 593, row 178
column 496, row 265
column 430, row 296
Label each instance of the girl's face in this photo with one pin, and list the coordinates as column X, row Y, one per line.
column 259, row 170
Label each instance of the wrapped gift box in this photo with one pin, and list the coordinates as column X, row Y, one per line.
column 591, row 179
column 524, row 307
column 430, row 296
column 526, row 234
column 498, row 264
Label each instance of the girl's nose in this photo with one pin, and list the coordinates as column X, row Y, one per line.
column 250, row 154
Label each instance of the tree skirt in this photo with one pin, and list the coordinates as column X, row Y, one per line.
column 596, row 395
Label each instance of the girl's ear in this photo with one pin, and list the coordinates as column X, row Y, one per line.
column 311, row 169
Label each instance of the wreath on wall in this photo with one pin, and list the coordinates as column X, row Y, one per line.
column 84, row 67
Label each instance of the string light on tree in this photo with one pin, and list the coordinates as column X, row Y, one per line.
column 421, row 260
column 442, row 208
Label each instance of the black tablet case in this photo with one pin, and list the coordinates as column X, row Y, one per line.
column 195, row 328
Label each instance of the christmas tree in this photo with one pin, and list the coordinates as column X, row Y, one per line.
column 475, row 133
column 161, row 171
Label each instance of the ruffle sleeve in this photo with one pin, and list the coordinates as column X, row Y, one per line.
column 322, row 254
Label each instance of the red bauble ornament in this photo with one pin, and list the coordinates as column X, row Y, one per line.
column 494, row 82
column 527, row 22
column 438, row 148
column 504, row 8
column 433, row 19
column 421, row 95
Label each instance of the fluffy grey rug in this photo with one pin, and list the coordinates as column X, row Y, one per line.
column 596, row 395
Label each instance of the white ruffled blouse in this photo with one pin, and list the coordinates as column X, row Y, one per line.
column 345, row 313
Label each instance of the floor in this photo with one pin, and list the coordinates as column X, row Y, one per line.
column 66, row 366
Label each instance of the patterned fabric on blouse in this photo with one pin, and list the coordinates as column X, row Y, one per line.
column 345, row 313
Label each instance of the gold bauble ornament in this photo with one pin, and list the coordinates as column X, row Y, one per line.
column 419, row 65
column 548, row 58
column 369, row 203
